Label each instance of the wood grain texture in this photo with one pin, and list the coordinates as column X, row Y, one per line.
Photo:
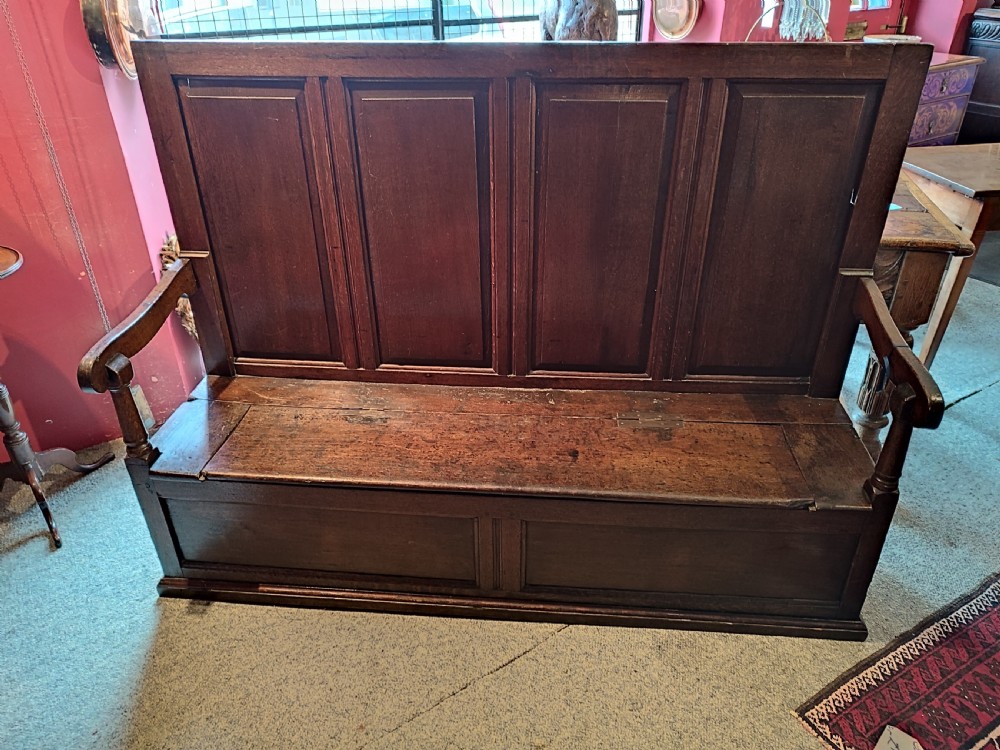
column 361, row 397
column 442, row 605
column 777, row 229
column 471, row 376
column 570, row 61
column 645, row 438
column 193, row 433
column 594, row 271
column 973, row 215
column 897, row 106
column 174, row 157
column 651, row 560
column 925, row 404
column 264, row 228
column 972, row 170
column 629, row 454
column 425, row 193
column 416, row 252
column 919, row 224
column 133, row 334
column 353, row 542
column 502, row 261
column 789, row 543
column 831, row 460
column 917, row 289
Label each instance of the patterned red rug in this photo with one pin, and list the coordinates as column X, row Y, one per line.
column 939, row 683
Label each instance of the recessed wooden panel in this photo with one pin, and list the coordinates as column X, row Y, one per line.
column 602, row 162
column 790, row 159
column 261, row 208
column 787, row 565
column 424, row 173
column 324, row 539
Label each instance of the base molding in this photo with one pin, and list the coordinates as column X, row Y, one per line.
column 505, row 609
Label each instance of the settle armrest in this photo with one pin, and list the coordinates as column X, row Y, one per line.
column 903, row 365
column 136, row 331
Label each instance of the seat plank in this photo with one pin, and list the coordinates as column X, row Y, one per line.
column 517, row 454
column 193, row 434
column 642, row 405
column 835, row 462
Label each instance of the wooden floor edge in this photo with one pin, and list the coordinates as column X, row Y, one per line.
column 499, row 609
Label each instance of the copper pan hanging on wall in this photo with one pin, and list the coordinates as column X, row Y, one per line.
column 111, row 26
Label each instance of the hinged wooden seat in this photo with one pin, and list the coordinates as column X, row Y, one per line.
column 533, row 331
column 728, row 449
column 537, row 494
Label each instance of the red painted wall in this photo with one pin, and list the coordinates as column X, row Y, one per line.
column 68, row 193
column 741, row 15
column 731, row 20
column 944, row 23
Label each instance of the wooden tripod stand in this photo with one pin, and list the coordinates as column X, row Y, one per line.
column 25, row 465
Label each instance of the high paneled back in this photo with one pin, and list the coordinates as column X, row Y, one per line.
column 678, row 217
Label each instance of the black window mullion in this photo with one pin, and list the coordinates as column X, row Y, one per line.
column 241, row 24
column 437, row 19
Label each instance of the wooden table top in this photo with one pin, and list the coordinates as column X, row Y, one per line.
column 915, row 223
column 10, row 261
column 972, row 170
column 945, row 60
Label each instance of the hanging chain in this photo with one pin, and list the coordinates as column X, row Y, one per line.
column 54, row 161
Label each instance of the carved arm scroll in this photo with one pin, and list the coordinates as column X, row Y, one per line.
column 107, row 366
column 137, row 330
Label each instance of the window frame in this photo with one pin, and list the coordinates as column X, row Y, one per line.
column 438, row 22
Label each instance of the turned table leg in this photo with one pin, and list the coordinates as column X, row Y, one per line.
column 873, row 400
column 918, row 243
column 28, row 467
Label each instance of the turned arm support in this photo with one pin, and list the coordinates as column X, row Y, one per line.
column 131, row 335
column 107, row 365
column 925, row 402
column 916, row 400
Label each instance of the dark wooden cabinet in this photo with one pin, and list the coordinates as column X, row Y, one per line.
column 982, row 121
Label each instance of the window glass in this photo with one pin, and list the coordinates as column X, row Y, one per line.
column 470, row 20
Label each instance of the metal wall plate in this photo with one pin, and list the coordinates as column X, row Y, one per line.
column 675, row 19
column 111, row 26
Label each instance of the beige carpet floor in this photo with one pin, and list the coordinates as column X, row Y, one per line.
column 90, row 658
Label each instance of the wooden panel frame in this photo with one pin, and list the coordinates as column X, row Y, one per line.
column 483, row 96
column 527, row 260
column 725, row 104
column 701, row 109
column 310, row 112
column 500, row 561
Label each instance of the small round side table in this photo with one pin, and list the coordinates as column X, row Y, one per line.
column 25, row 465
